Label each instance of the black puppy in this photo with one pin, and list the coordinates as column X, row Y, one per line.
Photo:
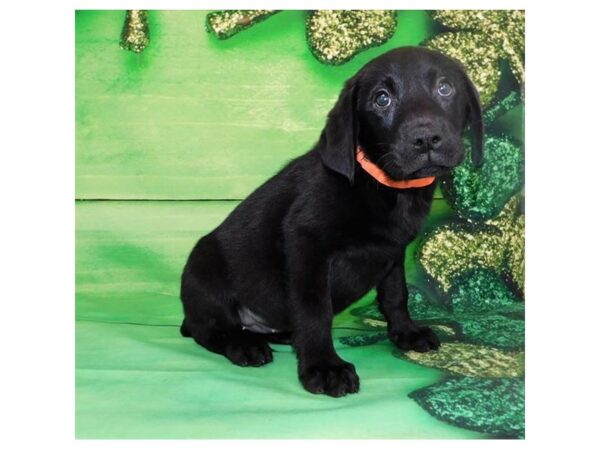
column 322, row 232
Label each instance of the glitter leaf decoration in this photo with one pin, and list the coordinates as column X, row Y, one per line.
column 511, row 223
column 480, row 40
column 500, row 107
column 479, row 309
column 472, row 360
column 481, row 291
column 335, row 37
column 481, row 193
column 360, row 340
column 494, row 406
column 497, row 244
column 419, row 306
column 224, row 24
column 135, row 35
column 497, row 331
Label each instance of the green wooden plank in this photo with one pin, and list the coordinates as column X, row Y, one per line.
column 194, row 117
column 129, row 256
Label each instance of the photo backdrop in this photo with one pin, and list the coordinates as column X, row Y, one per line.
column 179, row 116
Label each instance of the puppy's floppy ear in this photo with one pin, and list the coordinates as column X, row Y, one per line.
column 475, row 117
column 337, row 146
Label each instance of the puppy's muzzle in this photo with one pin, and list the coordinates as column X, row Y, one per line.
column 426, row 135
column 425, row 140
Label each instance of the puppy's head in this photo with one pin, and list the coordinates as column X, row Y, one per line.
column 407, row 109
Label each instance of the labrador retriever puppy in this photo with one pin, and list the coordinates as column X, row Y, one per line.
column 335, row 222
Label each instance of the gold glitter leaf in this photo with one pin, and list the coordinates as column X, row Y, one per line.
column 451, row 250
column 335, row 37
column 512, row 226
column 444, row 329
column 224, row 24
column 497, row 244
column 471, row 360
column 480, row 40
column 135, row 34
column 480, row 61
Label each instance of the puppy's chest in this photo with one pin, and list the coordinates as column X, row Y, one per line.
column 398, row 225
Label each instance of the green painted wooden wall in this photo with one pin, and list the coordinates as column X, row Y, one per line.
column 192, row 117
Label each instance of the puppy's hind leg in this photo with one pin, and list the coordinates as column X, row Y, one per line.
column 219, row 331
column 184, row 330
column 211, row 317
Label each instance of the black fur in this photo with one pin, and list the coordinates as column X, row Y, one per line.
column 322, row 232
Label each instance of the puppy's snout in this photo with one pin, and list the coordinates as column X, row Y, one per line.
column 424, row 134
column 425, row 139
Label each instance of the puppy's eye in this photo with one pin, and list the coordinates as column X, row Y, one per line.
column 382, row 99
column 445, row 89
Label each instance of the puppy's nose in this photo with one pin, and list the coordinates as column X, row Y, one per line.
column 426, row 141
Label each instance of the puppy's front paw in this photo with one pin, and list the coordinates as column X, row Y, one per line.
column 335, row 380
column 419, row 339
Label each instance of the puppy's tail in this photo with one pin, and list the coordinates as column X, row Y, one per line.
column 184, row 330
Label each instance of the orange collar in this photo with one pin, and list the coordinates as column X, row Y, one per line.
column 383, row 178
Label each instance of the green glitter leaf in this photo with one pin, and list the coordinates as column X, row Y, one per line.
column 422, row 307
column 501, row 107
column 419, row 306
column 481, row 193
column 495, row 406
column 370, row 311
column 363, row 339
column 497, row 330
column 480, row 291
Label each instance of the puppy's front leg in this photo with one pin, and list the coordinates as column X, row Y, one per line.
column 320, row 368
column 392, row 296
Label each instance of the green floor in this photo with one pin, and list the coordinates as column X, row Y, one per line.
column 137, row 378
